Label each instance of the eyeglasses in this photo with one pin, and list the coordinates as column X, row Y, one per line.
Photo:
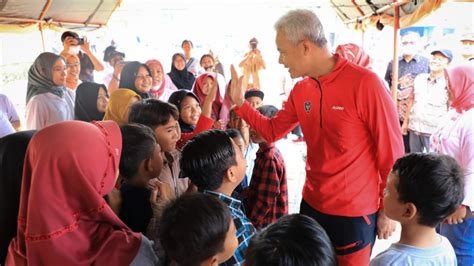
column 142, row 76
column 73, row 65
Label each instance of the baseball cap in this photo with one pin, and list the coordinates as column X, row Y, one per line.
column 445, row 52
column 467, row 37
column 254, row 93
column 69, row 34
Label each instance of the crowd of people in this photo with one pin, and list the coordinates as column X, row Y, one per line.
column 151, row 168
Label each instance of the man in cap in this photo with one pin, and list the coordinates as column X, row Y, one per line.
column 80, row 47
column 428, row 102
column 467, row 50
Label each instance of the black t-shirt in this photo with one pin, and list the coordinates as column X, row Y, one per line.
column 136, row 210
column 87, row 68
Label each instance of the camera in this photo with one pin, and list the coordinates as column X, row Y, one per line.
column 80, row 41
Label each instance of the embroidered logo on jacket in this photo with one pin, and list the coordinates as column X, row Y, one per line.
column 307, row 106
column 339, row 108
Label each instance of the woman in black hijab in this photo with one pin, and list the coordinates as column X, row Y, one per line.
column 136, row 76
column 181, row 77
column 12, row 154
column 91, row 102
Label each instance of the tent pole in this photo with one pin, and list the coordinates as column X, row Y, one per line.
column 396, row 30
column 42, row 36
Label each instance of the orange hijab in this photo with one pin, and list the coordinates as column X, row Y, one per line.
column 119, row 103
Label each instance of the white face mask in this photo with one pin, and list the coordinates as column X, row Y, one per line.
column 74, row 49
column 467, row 49
column 409, row 50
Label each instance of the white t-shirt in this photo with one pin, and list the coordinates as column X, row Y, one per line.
column 7, row 107
column 6, row 127
column 430, row 104
column 47, row 108
column 400, row 254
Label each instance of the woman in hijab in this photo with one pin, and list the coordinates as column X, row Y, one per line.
column 48, row 100
column 136, row 76
column 220, row 107
column 76, row 227
column 455, row 137
column 162, row 86
column 12, row 154
column 181, row 77
column 355, row 54
column 91, row 102
column 119, row 105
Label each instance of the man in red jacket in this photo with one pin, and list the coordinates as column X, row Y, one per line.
column 352, row 133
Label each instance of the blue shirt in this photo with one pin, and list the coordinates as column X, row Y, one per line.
column 400, row 254
column 419, row 64
column 244, row 228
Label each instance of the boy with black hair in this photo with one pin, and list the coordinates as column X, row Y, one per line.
column 203, row 237
column 140, row 161
column 293, row 240
column 422, row 191
column 162, row 118
column 266, row 198
column 217, row 170
column 254, row 97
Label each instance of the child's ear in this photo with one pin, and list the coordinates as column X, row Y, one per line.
column 230, row 174
column 409, row 211
column 148, row 164
column 214, row 261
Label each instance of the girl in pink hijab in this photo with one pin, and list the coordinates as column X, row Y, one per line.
column 63, row 218
column 455, row 137
column 162, row 86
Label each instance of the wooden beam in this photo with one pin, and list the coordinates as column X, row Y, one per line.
column 377, row 12
column 45, row 9
column 68, row 23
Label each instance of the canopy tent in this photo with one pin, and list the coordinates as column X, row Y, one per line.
column 28, row 15
column 396, row 13
column 381, row 12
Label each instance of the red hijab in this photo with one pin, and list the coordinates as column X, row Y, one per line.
column 157, row 92
column 355, row 54
column 63, row 219
column 461, row 85
column 217, row 104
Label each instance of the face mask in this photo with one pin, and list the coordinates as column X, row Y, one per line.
column 467, row 49
column 409, row 50
column 74, row 49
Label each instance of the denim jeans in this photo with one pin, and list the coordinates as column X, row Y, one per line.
column 461, row 237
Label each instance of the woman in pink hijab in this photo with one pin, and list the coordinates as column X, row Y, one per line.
column 455, row 137
column 162, row 86
column 221, row 105
column 355, row 54
column 63, row 218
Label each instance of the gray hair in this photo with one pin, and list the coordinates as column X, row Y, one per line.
column 302, row 24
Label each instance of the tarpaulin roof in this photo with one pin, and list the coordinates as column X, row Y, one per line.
column 410, row 11
column 27, row 15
